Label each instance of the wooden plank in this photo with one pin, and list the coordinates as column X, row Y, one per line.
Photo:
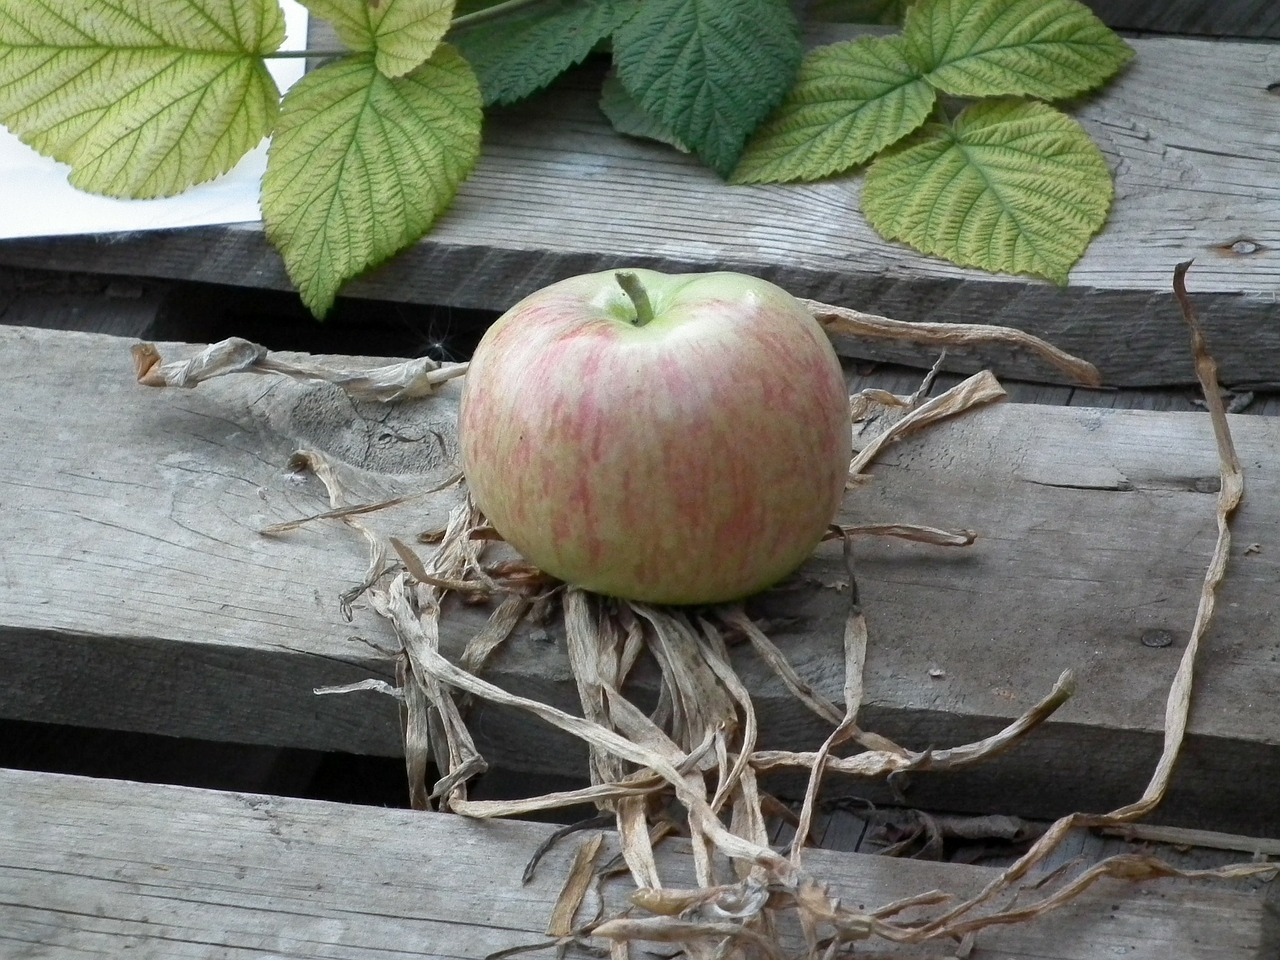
column 990, row 841
column 103, row 867
column 192, row 312
column 557, row 193
column 137, row 594
column 1234, row 18
column 195, row 312
column 1204, row 839
column 1229, row 18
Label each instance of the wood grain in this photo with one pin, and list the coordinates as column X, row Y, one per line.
column 1189, row 128
column 91, row 867
column 136, row 592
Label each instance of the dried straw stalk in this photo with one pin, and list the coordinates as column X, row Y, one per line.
column 699, row 745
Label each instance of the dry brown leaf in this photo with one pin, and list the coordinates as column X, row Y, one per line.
column 736, row 617
column 704, row 731
column 853, row 323
column 403, row 380
column 501, row 624
column 906, row 531
column 315, row 461
column 1133, row 868
column 855, row 654
column 1258, row 847
column 1230, row 493
column 1178, row 705
column 575, row 888
column 673, row 930
column 593, row 659
column 380, row 686
column 979, row 389
column 730, row 784
column 882, row 763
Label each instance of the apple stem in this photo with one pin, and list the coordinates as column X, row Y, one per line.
column 639, row 297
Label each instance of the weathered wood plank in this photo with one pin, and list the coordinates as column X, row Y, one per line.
column 137, row 594
column 193, row 312
column 1228, row 18
column 1189, row 128
column 1234, row 18
column 91, row 867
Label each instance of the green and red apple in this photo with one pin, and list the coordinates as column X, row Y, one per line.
column 678, row 439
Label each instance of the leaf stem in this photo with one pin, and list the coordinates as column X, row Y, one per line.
column 494, row 12
column 491, row 13
column 294, row 54
column 636, row 292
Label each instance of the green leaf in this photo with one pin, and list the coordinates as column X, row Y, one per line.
column 982, row 48
column 709, row 70
column 520, row 54
column 400, row 33
column 849, row 102
column 143, row 98
column 1012, row 186
column 361, row 164
column 628, row 118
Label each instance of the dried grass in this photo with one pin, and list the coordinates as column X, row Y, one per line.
column 395, row 381
column 707, row 736
column 699, row 746
column 842, row 321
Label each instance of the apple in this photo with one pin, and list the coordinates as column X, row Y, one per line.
column 676, row 439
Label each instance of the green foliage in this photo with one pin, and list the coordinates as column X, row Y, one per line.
column 362, row 163
column 709, row 70
column 401, row 34
column 1010, row 185
column 629, row 118
column 849, row 102
column 519, row 55
column 142, row 98
column 1050, row 49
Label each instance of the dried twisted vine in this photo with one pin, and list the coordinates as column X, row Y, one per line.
column 703, row 733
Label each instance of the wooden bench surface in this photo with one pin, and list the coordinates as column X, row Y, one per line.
column 97, row 867
column 1190, row 129
column 1231, row 18
column 136, row 592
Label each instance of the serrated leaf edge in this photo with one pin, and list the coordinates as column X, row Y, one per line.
column 850, row 161
column 947, row 134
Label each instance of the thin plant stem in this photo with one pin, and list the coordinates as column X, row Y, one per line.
column 491, row 13
column 494, row 12
column 295, row 54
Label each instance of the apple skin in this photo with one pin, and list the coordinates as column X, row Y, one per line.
column 696, row 459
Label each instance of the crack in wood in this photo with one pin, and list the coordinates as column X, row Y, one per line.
column 1124, row 485
column 1117, row 486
